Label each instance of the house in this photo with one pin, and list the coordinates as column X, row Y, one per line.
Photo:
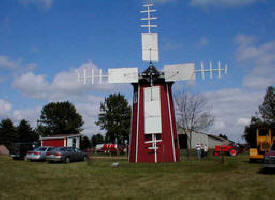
column 203, row 138
column 61, row 140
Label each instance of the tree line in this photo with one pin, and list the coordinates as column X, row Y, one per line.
column 114, row 117
column 63, row 118
column 22, row 133
column 192, row 112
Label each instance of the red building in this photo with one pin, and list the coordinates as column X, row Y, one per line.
column 61, row 140
column 154, row 137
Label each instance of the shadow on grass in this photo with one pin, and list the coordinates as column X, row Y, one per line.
column 267, row 171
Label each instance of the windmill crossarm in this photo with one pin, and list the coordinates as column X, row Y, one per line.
column 149, row 18
column 208, row 70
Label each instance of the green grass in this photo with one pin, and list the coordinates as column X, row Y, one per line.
column 188, row 179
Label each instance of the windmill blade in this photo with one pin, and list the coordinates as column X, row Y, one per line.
column 123, row 75
column 149, row 47
column 226, row 69
column 180, row 72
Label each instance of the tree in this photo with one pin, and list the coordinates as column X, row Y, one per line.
column 8, row 133
column 26, row 133
column 97, row 139
column 193, row 114
column 59, row 117
column 267, row 109
column 85, row 142
column 250, row 130
column 115, row 117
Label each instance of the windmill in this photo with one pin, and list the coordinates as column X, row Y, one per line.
column 154, row 137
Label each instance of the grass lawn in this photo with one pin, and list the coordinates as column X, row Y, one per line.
column 188, row 179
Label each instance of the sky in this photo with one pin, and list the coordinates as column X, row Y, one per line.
column 43, row 43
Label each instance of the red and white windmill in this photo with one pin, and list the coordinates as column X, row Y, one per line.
column 153, row 137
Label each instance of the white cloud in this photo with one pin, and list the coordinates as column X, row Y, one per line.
column 31, row 115
column 87, row 107
column 232, row 109
column 32, row 85
column 14, row 67
column 231, row 3
column 47, row 4
column 243, row 121
column 6, row 63
column 64, row 85
column 5, row 108
column 259, row 59
column 89, row 112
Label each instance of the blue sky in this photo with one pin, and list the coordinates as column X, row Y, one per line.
column 42, row 43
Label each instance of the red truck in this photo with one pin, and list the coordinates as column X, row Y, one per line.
column 108, row 148
column 226, row 149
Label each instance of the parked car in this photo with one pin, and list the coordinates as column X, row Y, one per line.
column 269, row 158
column 19, row 150
column 66, row 154
column 38, row 153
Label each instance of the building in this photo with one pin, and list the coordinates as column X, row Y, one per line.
column 206, row 139
column 61, row 140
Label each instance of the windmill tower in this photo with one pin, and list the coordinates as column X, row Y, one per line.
column 153, row 137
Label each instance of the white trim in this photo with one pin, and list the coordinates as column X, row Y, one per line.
column 150, row 142
column 155, row 147
column 137, row 123
column 171, row 129
column 58, row 137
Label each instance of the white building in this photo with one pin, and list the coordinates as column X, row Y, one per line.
column 206, row 139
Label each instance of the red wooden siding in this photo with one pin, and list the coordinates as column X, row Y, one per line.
column 54, row 143
column 169, row 134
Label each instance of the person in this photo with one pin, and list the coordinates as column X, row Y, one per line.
column 198, row 149
column 205, row 150
column 202, row 150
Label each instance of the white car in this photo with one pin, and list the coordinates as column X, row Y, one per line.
column 38, row 153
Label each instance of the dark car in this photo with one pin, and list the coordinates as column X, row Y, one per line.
column 269, row 158
column 19, row 150
column 66, row 154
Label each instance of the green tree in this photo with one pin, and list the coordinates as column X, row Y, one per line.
column 59, row 117
column 250, row 130
column 115, row 117
column 97, row 139
column 8, row 133
column 26, row 133
column 85, row 143
column 265, row 120
column 267, row 109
